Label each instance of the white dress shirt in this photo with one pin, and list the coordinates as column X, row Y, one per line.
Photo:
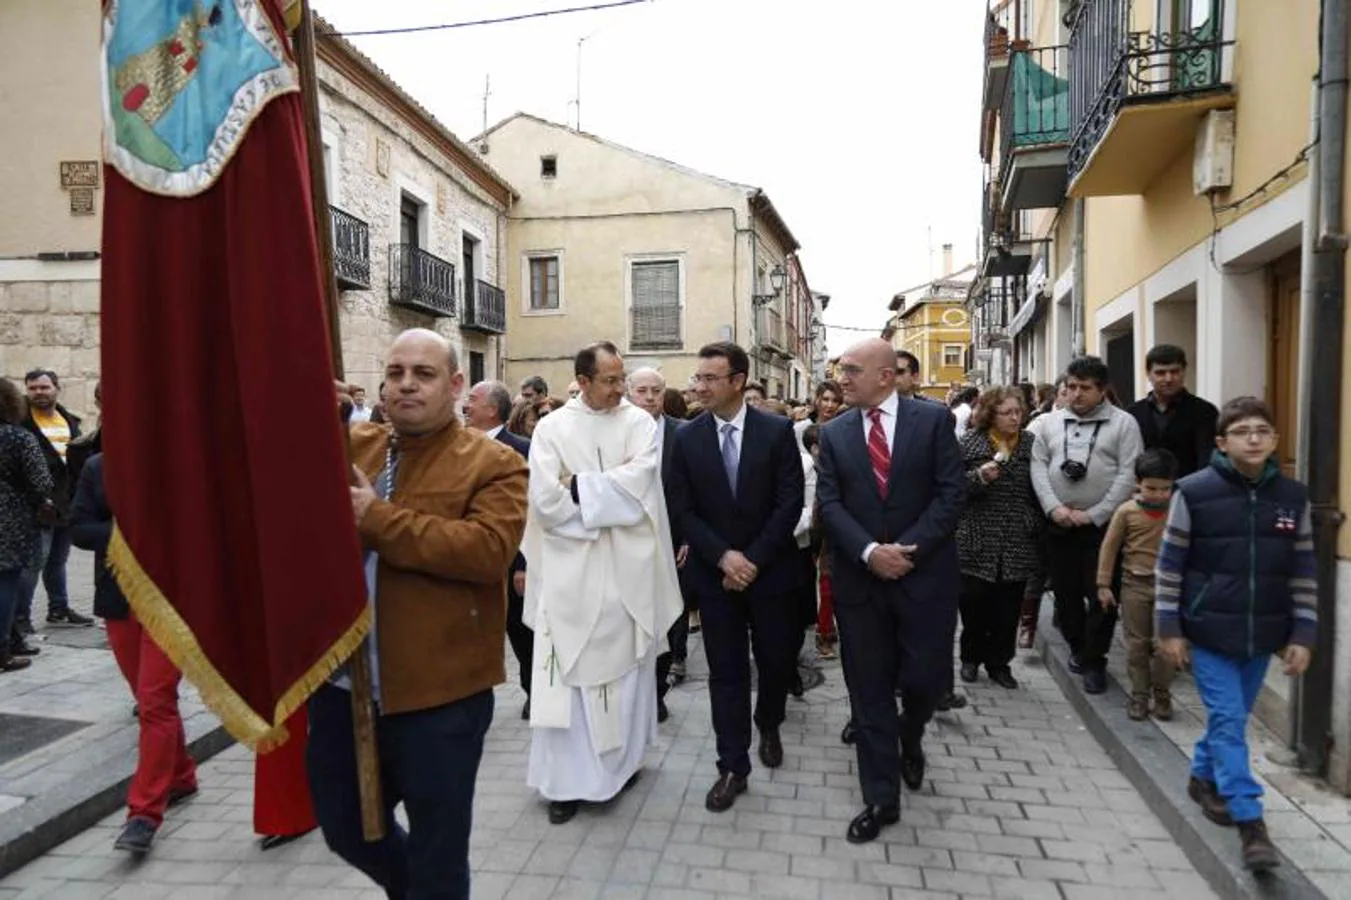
column 738, row 423
column 889, row 408
column 494, row 432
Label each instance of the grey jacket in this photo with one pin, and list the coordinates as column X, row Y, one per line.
column 1114, row 439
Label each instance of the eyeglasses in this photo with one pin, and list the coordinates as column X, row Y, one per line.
column 1249, row 434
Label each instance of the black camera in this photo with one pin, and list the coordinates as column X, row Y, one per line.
column 1073, row 469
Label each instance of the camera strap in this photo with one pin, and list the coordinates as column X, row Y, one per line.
column 1092, row 441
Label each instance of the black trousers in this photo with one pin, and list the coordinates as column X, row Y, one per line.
column 521, row 638
column 678, row 639
column 886, row 640
column 428, row 761
column 775, row 636
column 1087, row 627
column 990, row 612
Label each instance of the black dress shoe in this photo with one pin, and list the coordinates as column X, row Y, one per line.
column 724, row 792
column 273, row 841
column 771, row 748
column 868, row 824
column 20, row 647
column 1075, row 665
column 969, row 673
column 912, row 769
column 1095, row 681
column 1004, row 678
column 662, row 712
column 562, row 811
column 850, row 733
column 952, row 701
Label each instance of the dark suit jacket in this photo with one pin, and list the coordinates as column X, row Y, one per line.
column 669, row 429
column 926, row 490
column 522, row 446
column 760, row 518
column 1189, row 432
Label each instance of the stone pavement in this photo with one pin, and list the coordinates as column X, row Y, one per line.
column 1020, row 802
column 67, row 735
column 1310, row 822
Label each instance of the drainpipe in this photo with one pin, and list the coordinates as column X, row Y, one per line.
column 1077, row 299
column 1308, row 239
column 1314, row 713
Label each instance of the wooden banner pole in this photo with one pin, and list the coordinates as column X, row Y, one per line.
column 363, row 706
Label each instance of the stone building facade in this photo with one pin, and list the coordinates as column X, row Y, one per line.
column 385, row 155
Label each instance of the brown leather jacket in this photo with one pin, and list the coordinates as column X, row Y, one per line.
column 445, row 542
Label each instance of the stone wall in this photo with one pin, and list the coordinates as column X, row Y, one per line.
column 52, row 325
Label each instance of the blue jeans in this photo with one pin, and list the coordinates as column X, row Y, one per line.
column 50, row 564
column 1228, row 688
column 9, row 599
column 428, row 761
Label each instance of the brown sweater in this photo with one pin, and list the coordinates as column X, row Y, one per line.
column 445, row 542
column 1135, row 533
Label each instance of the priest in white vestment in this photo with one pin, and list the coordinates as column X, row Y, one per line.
column 602, row 590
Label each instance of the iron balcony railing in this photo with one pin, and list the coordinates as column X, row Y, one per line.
column 351, row 250
column 1111, row 65
column 486, row 308
column 420, row 281
column 1036, row 109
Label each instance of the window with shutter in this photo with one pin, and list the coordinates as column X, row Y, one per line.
column 544, row 282
column 655, row 305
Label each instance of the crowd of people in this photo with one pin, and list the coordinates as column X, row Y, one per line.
column 591, row 535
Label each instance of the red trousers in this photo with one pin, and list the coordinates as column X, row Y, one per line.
column 825, row 614
column 281, row 790
column 163, row 763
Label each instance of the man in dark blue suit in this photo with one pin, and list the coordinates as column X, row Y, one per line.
column 891, row 487
column 736, row 490
column 647, row 391
column 487, row 408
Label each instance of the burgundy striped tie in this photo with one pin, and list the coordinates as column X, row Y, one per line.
column 878, row 451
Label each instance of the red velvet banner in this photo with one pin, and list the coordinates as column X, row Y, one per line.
column 224, row 458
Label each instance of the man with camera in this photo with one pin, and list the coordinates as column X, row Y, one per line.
column 1083, row 468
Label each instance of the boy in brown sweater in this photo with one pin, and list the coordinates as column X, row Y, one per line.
column 1134, row 535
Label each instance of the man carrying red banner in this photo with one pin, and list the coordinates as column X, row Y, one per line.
column 441, row 509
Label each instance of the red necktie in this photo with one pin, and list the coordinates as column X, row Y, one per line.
column 878, row 451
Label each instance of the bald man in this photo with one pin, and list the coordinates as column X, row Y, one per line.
column 440, row 509
column 647, row 391
column 891, row 487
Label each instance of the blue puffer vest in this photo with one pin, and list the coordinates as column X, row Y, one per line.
column 1236, row 596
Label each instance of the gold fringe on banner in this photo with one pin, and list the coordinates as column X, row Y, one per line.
column 176, row 639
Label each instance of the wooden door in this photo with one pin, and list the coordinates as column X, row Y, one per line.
column 1283, row 365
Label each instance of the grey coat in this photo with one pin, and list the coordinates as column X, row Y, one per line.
column 998, row 533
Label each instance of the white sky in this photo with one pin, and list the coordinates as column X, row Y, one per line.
column 858, row 117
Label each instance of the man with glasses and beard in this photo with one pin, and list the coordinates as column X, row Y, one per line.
column 1083, row 468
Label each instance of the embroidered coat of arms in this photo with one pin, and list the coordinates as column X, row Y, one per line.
column 182, row 81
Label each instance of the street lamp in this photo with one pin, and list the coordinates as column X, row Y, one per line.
column 776, row 280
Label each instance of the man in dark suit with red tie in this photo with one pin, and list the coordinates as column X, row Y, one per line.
column 891, row 487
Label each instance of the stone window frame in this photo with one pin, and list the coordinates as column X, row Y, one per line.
column 526, row 288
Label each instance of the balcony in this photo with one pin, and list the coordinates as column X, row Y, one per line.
column 420, row 281
column 996, row 60
column 1136, row 96
column 486, row 309
column 769, row 330
column 1006, row 252
column 351, row 250
column 1035, row 130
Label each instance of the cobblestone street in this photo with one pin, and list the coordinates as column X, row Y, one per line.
column 1020, row 802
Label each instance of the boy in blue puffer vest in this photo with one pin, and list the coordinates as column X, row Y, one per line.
column 1236, row 581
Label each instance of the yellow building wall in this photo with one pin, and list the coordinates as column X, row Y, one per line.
column 924, row 334
column 1275, row 57
column 48, row 120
